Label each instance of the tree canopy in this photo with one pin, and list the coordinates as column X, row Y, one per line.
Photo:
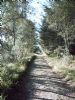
column 59, row 22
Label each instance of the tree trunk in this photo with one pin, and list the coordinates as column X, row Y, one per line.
column 66, row 43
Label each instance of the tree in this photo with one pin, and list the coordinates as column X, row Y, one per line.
column 16, row 30
column 60, row 18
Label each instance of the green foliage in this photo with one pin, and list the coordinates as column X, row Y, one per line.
column 16, row 42
column 10, row 72
column 2, row 97
column 58, row 25
column 18, row 34
column 69, row 72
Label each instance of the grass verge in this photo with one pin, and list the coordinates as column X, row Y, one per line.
column 65, row 66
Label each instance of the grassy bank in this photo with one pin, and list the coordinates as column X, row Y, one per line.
column 9, row 72
column 65, row 66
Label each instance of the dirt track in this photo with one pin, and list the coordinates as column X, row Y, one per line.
column 41, row 84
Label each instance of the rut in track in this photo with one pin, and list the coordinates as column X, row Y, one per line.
column 42, row 84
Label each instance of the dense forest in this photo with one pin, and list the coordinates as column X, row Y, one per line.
column 17, row 38
column 58, row 26
column 58, row 35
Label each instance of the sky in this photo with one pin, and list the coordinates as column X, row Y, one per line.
column 37, row 12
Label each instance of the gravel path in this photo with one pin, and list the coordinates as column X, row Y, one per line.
column 41, row 83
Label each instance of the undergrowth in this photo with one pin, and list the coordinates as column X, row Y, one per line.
column 2, row 97
column 64, row 65
column 68, row 72
column 9, row 72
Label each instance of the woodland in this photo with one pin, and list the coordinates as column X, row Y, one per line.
column 18, row 41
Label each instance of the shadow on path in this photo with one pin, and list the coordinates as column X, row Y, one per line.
column 19, row 90
column 38, row 82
